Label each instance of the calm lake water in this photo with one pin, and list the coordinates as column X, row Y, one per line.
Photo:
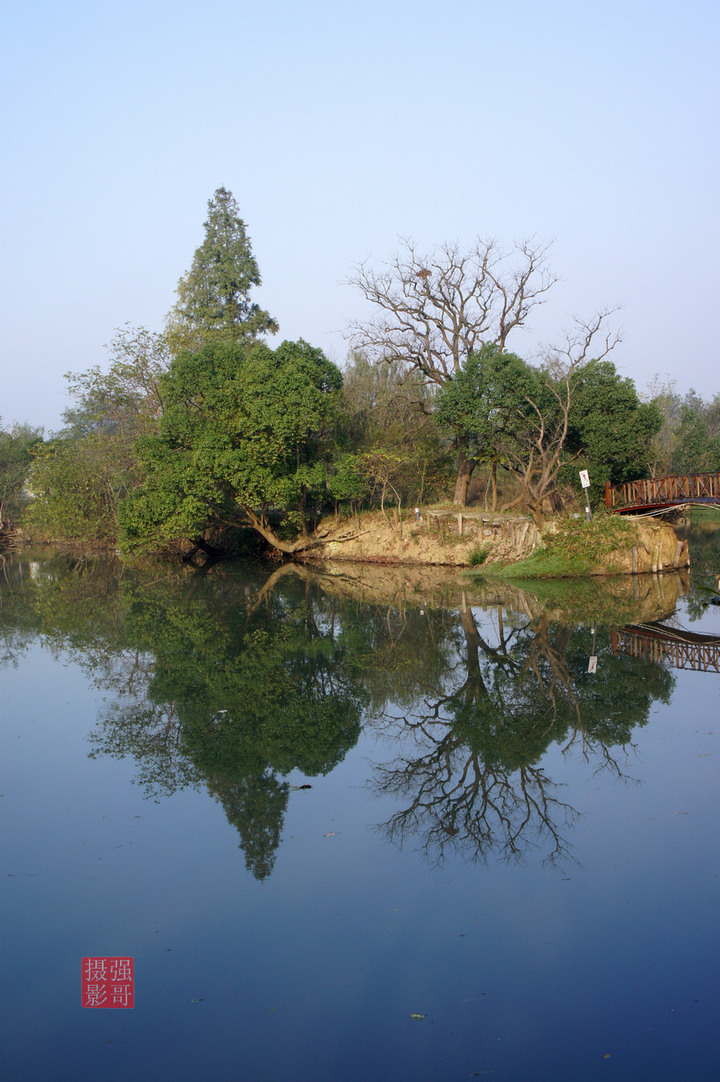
column 373, row 824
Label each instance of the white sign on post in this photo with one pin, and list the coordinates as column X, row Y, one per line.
column 584, row 479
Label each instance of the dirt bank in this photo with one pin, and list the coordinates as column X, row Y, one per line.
column 626, row 546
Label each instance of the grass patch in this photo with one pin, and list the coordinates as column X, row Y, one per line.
column 571, row 548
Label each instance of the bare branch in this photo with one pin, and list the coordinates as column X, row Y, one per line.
column 586, row 339
column 436, row 309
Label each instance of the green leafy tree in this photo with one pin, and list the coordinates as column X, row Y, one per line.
column 506, row 411
column 347, row 483
column 689, row 438
column 123, row 399
column 80, row 476
column 712, row 417
column 662, row 394
column 510, row 413
column 16, row 451
column 214, row 296
column 610, row 428
column 485, row 404
column 244, row 435
column 696, row 451
column 77, row 485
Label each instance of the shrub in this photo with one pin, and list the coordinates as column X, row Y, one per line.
column 478, row 556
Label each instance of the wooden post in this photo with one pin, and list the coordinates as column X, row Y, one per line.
column 460, row 525
column 634, row 560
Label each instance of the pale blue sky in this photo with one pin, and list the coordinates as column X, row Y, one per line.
column 339, row 128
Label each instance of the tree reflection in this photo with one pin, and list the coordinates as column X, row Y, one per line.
column 473, row 782
column 457, row 801
column 240, row 696
column 703, row 533
column 229, row 681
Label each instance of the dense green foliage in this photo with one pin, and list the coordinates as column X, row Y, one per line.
column 698, row 440
column 610, row 429
column 688, row 440
column 77, row 487
column 393, row 448
column 243, row 433
column 487, row 402
column 543, row 424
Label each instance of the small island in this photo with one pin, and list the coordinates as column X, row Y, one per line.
column 435, row 444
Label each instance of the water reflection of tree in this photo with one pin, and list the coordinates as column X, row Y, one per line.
column 703, row 534
column 472, row 781
column 212, row 683
column 230, row 683
column 240, row 695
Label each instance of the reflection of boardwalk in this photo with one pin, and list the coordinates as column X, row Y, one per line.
column 658, row 493
column 656, row 642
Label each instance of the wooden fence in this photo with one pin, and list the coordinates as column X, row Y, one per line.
column 522, row 533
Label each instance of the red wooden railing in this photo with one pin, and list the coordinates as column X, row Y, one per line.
column 659, row 492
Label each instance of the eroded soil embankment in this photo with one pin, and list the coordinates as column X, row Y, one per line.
column 642, row 546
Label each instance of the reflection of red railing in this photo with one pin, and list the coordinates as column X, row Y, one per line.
column 683, row 649
column 657, row 492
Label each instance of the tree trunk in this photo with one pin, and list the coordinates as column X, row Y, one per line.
column 536, row 512
column 212, row 552
column 465, row 469
column 300, row 545
column 556, row 501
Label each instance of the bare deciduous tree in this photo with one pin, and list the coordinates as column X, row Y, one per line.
column 437, row 309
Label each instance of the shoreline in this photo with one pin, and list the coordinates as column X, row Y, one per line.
column 507, row 548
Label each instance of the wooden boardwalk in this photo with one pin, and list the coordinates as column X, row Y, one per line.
column 657, row 642
column 663, row 493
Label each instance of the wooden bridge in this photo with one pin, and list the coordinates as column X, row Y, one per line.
column 659, row 494
column 658, row 642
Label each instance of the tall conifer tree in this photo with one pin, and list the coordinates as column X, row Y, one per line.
column 214, row 296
